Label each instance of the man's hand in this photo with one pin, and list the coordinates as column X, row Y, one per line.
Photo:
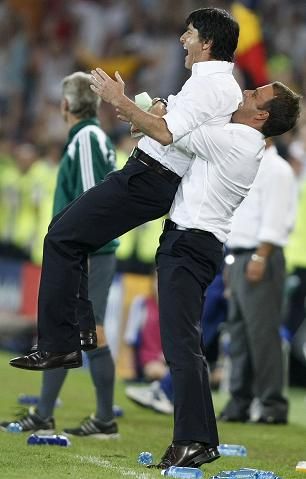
column 106, row 88
column 255, row 270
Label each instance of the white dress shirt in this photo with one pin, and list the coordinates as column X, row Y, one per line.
column 209, row 96
column 219, row 178
column 268, row 213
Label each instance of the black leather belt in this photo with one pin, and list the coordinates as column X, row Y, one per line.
column 238, row 251
column 170, row 225
column 155, row 165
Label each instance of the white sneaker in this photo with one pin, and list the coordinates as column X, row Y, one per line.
column 151, row 396
column 142, row 395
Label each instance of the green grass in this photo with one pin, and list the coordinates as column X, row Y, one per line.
column 276, row 448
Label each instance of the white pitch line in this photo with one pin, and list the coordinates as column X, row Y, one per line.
column 107, row 464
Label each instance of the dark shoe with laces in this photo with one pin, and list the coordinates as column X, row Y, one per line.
column 41, row 361
column 31, row 422
column 193, row 455
column 88, row 339
column 93, row 427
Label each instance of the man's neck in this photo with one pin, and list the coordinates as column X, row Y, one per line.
column 72, row 120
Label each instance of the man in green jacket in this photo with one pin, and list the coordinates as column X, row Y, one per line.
column 87, row 158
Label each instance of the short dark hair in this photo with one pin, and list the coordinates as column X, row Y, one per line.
column 219, row 26
column 284, row 110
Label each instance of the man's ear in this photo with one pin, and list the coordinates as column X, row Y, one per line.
column 65, row 104
column 206, row 45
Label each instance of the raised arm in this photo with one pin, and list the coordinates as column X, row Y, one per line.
column 112, row 92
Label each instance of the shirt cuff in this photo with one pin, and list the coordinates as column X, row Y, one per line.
column 271, row 236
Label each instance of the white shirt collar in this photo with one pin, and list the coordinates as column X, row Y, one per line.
column 214, row 66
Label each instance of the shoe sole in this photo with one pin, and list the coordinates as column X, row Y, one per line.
column 101, row 437
column 65, row 366
column 135, row 400
column 196, row 461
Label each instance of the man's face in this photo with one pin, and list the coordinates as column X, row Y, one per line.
column 253, row 103
column 194, row 47
column 257, row 98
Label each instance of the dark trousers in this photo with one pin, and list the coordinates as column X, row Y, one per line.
column 187, row 263
column 257, row 367
column 124, row 200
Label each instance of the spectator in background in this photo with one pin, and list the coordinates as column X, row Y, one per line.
column 295, row 253
column 143, row 334
column 88, row 156
column 26, row 189
column 14, row 51
column 260, row 230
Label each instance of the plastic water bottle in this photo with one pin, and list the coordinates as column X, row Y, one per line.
column 246, row 473
column 29, row 400
column 265, row 475
column 14, row 427
column 236, row 474
column 117, row 411
column 232, row 450
column 54, row 440
column 183, row 472
column 145, row 458
column 258, row 474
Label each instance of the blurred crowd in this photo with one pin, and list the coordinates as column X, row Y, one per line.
column 43, row 41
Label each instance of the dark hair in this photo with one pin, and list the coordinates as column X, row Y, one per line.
column 284, row 110
column 218, row 26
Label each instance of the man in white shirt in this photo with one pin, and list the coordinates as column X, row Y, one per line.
column 191, row 251
column 142, row 191
column 260, row 230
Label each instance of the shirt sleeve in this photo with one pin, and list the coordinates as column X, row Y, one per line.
column 196, row 143
column 86, row 160
column 192, row 108
column 278, row 191
column 96, row 158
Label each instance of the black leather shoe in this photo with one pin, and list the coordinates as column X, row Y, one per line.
column 88, row 339
column 193, row 455
column 40, row 361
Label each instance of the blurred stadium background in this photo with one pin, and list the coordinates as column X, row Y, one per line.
column 41, row 41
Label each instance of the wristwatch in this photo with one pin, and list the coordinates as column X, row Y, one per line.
column 258, row 258
column 163, row 100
